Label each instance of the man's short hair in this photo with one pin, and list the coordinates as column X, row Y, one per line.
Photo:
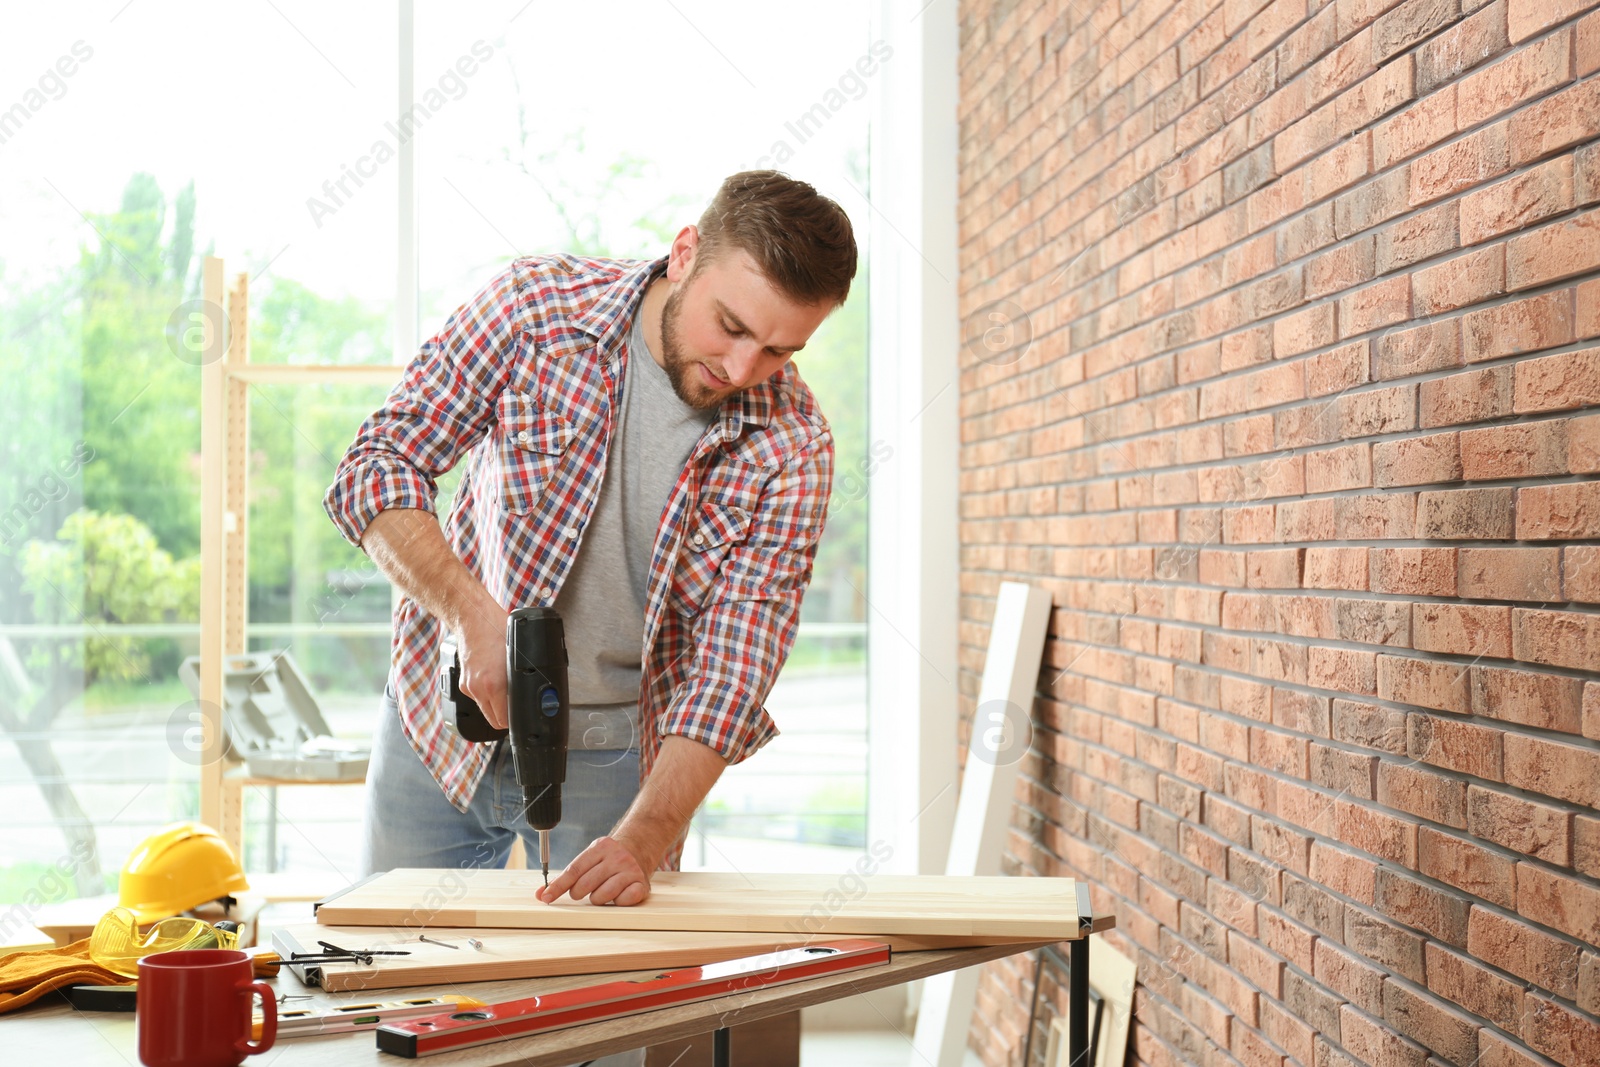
column 801, row 240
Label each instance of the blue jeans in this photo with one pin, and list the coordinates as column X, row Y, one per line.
column 410, row 823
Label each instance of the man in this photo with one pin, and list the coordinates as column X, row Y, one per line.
column 640, row 454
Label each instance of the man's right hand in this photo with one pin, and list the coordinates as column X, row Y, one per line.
column 481, row 644
column 409, row 548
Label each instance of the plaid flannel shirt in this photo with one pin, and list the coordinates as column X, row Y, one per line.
column 525, row 380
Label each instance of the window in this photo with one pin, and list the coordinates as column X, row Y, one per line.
column 271, row 136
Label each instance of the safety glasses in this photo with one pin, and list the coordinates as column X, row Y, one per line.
column 118, row 944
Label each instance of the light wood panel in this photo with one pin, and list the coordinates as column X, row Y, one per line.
column 528, row 953
column 978, row 909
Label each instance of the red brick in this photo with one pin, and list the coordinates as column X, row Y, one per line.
column 1286, row 1030
column 1363, row 104
column 1559, row 638
column 1517, row 202
column 1372, row 203
column 1587, row 45
column 1418, row 349
column 1559, row 1032
column 1542, row 831
column 1520, row 450
column 1417, row 460
column 1303, row 331
column 1344, row 467
column 1459, row 862
column 1343, row 669
column 1343, row 165
column 1277, row 568
column 1428, row 233
column 1556, row 122
column 1459, row 282
column 1580, row 573
column 1463, row 163
column 1340, row 268
column 1559, row 901
column 1549, row 701
column 1569, row 510
column 1558, row 250
column 1527, row 325
column 1557, row 383
column 1423, row 682
column 1481, row 991
column 1456, row 746
column 1375, row 515
column 1414, row 571
column 1374, row 622
column 1448, row 1033
column 1336, row 568
column 1472, row 41
column 1349, row 976
column 1462, row 629
column 1478, row 514
column 1553, row 768
column 1377, row 411
column 1583, row 445
column 1507, row 573
column 1525, row 18
column 1506, row 942
column 1514, row 79
column 1375, row 306
column 1476, row 396
column 1420, row 126
column 1421, row 792
column 1410, row 23
column 1335, row 371
column 1384, row 943
column 1369, row 725
column 1389, row 837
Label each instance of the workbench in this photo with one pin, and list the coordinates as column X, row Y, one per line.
column 53, row 1032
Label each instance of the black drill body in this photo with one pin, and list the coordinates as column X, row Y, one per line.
column 537, row 712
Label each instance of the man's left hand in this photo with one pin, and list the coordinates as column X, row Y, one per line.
column 606, row 872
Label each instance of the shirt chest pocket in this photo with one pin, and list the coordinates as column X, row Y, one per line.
column 532, row 443
column 716, row 527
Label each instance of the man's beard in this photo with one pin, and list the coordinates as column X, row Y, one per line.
column 681, row 372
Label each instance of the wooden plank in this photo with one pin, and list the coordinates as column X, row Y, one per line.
column 530, row 953
column 976, row 909
column 1001, row 734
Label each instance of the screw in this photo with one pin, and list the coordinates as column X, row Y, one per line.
column 431, row 941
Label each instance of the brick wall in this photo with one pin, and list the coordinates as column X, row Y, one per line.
column 1279, row 377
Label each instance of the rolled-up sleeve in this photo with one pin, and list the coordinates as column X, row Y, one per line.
column 442, row 406
column 752, row 612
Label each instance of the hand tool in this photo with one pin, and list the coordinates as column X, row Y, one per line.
column 536, row 715
column 570, row 1007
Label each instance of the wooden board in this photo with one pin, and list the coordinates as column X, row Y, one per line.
column 529, row 953
column 971, row 910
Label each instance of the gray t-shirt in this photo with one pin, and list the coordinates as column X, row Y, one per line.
column 602, row 601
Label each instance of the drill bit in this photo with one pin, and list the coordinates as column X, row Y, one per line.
column 544, row 855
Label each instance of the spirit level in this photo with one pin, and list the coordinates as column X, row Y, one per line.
column 369, row 1015
column 610, row 1000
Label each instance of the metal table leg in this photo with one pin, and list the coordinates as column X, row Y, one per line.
column 719, row 1047
column 1078, row 1053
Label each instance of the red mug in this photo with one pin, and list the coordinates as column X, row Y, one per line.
column 194, row 1009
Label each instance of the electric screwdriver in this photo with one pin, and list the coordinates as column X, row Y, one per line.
column 536, row 715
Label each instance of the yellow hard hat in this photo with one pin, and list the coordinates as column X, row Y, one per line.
column 177, row 868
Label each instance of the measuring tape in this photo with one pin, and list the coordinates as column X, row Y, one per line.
column 610, row 1000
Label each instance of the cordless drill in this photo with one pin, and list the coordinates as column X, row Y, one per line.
column 536, row 717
